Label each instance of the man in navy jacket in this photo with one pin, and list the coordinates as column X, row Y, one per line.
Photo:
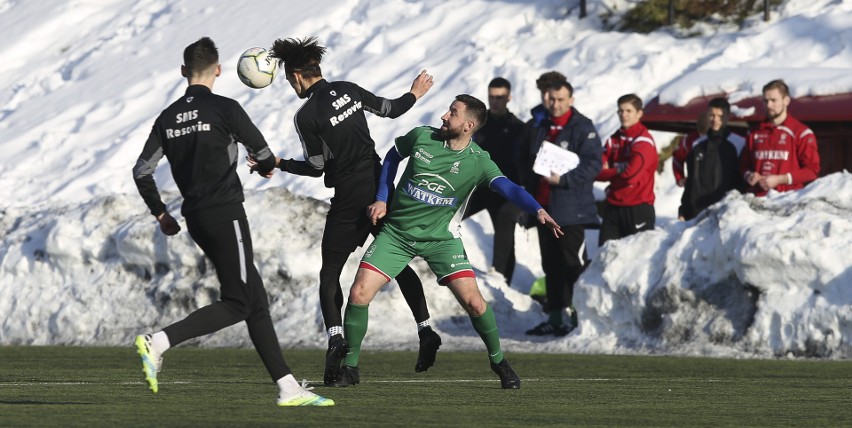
column 568, row 198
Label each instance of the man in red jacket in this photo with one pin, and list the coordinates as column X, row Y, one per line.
column 781, row 153
column 629, row 164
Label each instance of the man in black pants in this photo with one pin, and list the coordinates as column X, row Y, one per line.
column 567, row 197
column 500, row 138
column 198, row 135
column 337, row 143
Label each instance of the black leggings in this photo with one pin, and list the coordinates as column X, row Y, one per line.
column 242, row 295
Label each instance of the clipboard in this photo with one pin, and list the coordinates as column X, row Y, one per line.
column 554, row 159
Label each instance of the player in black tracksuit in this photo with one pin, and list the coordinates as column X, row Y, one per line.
column 198, row 134
column 336, row 141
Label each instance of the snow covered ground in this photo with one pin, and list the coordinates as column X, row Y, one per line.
column 82, row 262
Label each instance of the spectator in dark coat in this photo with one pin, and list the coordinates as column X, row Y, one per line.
column 499, row 137
column 713, row 164
column 568, row 197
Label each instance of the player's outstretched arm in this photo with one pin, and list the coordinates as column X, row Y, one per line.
column 421, row 84
column 525, row 201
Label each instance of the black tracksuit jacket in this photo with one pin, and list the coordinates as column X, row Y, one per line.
column 198, row 134
column 334, row 133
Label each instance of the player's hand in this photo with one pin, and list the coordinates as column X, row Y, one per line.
column 681, row 182
column 544, row 218
column 168, row 224
column 376, row 211
column 253, row 166
column 421, row 84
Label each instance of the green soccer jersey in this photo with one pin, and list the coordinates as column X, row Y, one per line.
column 433, row 191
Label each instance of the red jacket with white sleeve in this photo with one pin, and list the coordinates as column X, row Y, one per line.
column 786, row 149
column 630, row 162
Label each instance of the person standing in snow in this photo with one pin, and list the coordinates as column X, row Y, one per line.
column 781, row 153
column 499, row 137
column 713, row 163
column 336, row 142
column 569, row 197
column 629, row 165
column 198, row 135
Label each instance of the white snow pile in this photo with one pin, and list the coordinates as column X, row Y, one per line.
column 763, row 276
column 751, row 277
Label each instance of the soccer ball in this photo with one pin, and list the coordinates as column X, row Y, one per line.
column 256, row 69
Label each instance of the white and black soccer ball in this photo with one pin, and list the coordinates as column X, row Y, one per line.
column 256, row 68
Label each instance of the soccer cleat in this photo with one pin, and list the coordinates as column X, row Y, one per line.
column 305, row 398
column 508, row 378
column 337, row 349
column 429, row 344
column 346, row 376
column 151, row 361
column 546, row 329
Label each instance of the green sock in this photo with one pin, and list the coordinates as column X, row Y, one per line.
column 355, row 319
column 554, row 317
column 486, row 326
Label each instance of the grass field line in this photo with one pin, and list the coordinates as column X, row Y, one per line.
column 405, row 381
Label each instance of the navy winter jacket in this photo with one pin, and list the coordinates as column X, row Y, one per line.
column 572, row 202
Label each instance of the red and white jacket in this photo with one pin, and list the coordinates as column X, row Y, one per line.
column 787, row 149
column 629, row 164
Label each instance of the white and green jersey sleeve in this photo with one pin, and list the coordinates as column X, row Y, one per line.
column 436, row 185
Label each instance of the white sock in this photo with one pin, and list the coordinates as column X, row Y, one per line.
column 335, row 330
column 288, row 386
column 160, row 342
column 423, row 324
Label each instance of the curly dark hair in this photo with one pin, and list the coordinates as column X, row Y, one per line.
column 299, row 55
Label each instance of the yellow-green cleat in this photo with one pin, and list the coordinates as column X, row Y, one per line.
column 305, row 398
column 150, row 361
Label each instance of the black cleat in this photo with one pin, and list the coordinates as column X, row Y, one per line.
column 547, row 329
column 346, row 376
column 337, row 349
column 429, row 344
column 508, row 378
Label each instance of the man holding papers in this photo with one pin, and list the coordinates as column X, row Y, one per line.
column 562, row 157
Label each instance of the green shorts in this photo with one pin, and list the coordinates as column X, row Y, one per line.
column 389, row 254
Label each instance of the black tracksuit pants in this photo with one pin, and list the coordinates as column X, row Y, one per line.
column 563, row 261
column 242, row 295
column 619, row 222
